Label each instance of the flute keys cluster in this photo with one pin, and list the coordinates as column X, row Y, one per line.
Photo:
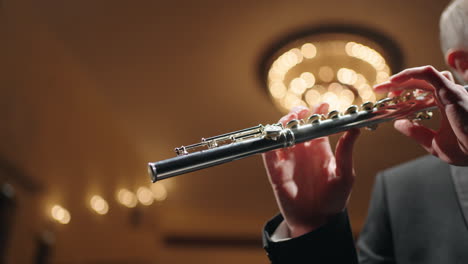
column 351, row 110
column 275, row 131
column 424, row 115
column 260, row 139
column 333, row 114
column 315, row 119
column 406, row 96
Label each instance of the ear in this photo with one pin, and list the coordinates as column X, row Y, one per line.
column 457, row 59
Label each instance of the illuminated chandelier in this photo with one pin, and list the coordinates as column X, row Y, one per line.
column 335, row 66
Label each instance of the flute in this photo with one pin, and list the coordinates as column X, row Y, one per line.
column 411, row 104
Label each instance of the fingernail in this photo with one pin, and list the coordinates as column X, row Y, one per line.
column 383, row 83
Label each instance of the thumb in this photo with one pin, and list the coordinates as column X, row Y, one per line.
column 423, row 135
column 344, row 155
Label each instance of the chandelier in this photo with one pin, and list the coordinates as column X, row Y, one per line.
column 338, row 68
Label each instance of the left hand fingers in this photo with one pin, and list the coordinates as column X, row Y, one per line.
column 452, row 98
column 445, row 90
column 424, row 136
column 397, row 88
column 448, row 75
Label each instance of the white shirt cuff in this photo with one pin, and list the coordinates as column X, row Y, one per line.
column 281, row 233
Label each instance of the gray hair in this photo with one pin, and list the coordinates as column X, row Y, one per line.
column 454, row 26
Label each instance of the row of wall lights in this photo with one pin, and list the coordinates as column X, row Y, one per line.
column 146, row 196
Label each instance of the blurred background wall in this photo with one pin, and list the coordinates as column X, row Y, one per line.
column 93, row 90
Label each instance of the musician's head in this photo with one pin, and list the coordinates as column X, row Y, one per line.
column 454, row 37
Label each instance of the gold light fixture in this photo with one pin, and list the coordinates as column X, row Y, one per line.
column 338, row 68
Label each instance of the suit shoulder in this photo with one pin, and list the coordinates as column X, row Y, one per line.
column 414, row 171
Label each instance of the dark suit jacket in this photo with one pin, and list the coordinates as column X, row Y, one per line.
column 418, row 214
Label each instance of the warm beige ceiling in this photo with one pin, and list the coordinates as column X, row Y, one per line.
column 93, row 90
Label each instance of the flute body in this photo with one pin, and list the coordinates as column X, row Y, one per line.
column 262, row 138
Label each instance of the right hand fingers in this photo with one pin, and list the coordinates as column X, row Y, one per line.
column 297, row 112
column 274, row 158
column 316, row 152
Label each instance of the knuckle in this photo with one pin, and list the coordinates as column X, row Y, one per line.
column 429, row 69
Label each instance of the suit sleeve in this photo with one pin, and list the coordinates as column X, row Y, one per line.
column 375, row 244
column 331, row 243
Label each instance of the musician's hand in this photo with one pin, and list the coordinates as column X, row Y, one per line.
column 309, row 183
column 450, row 142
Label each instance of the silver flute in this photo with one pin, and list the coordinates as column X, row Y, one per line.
column 411, row 104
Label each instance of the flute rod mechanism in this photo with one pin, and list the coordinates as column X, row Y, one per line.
column 411, row 104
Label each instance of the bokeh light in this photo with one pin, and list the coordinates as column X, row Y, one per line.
column 145, row 196
column 159, row 191
column 340, row 71
column 99, row 205
column 60, row 214
column 127, row 198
